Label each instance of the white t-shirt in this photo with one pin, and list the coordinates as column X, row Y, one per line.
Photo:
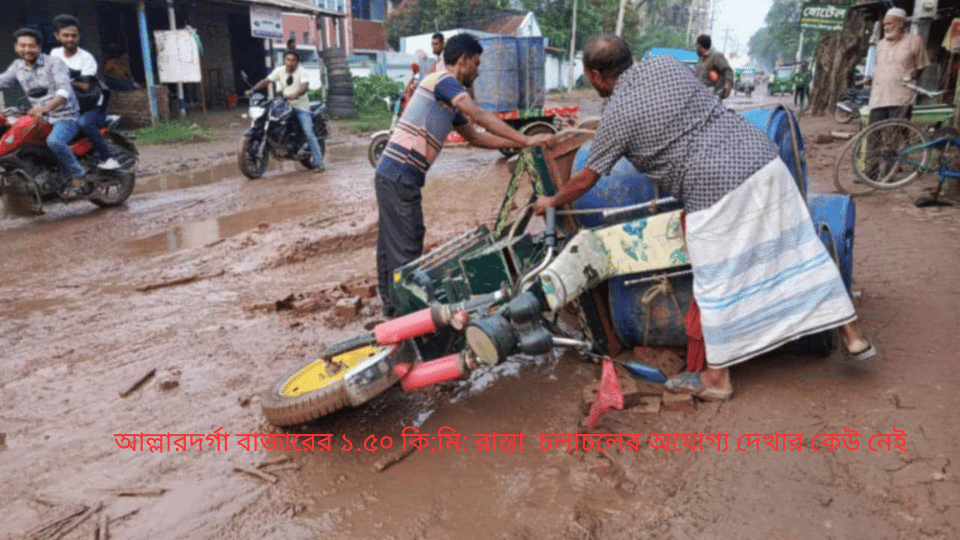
column 82, row 61
column 298, row 77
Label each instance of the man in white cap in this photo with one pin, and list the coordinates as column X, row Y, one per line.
column 900, row 58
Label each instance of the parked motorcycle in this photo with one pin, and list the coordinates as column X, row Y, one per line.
column 275, row 130
column 850, row 103
column 30, row 174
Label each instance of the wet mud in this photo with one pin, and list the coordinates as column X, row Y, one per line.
column 223, row 286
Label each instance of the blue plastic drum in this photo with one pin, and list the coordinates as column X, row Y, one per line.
column 775, row 122
column 497, row 87
column 838, row 214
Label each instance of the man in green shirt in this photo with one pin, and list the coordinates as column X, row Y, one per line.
column 801, row 85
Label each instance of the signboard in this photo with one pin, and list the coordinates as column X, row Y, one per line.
column 265, row 22
column 823, row 16
column 178, row 60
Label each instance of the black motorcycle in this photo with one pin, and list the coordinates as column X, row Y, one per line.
column 276, row 130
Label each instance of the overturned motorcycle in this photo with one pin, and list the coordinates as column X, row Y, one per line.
column 30, row 174
column 617, row 260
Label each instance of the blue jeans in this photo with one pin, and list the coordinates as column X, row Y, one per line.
column 306, row 123
column 58, row 141
column 90, row 123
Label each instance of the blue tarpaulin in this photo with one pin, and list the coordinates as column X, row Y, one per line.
column 687, row 57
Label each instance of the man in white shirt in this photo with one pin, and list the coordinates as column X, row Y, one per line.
column 291, row 81
column 436, row 44
column 82, row 66
column 901, row 57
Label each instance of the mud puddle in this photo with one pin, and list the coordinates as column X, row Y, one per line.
column 227, row 170
column 211, row 231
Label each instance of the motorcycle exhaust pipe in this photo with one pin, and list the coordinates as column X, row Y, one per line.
column 844, row 107
column 448, row 368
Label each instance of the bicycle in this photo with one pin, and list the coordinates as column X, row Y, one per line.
column 893, row 153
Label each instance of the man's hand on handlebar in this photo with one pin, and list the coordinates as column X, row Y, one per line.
column 540, row 207
column 37, row 111
column 543, row 139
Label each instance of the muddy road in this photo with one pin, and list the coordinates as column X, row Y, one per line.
column 195, row 285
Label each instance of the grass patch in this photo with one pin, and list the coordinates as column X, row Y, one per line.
column 174, row 132
column 366, row 121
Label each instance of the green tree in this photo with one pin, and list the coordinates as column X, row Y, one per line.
column 779, row 39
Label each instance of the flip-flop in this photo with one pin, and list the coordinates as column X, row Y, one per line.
column 691, row 383
column 863, row 355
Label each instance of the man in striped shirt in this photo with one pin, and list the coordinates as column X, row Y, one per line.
column 439, row 104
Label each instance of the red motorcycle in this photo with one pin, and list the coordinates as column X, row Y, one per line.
column 30, row 174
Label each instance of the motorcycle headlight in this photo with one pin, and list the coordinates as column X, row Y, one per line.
column 256, row 112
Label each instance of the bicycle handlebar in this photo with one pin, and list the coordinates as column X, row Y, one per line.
column 924, row 91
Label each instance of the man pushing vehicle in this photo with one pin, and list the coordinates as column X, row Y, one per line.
column 762, row 277
column 440, row 103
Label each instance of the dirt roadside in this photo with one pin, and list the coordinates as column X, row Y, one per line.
column 183, row 281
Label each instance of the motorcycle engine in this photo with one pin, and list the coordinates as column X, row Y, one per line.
column 48, row 181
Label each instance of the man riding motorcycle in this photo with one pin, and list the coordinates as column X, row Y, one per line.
column 83, row 71
column 291, row 81
column 48, row 79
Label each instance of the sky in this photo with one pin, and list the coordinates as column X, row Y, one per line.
column 742, row 18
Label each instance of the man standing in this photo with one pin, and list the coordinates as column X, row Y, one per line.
column 438, row 105
column 436, row 44
column 48, row 78
column 291, row 81
column 762, row 277
column 83, row 71
column 713, row 69
column 801, row 86
column 900, row 58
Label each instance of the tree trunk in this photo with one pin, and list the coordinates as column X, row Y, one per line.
column 838, row 53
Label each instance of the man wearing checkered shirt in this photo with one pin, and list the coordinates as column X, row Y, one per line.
column 737, row 194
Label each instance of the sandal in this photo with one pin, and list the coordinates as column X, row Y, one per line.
column 691, row 383
column 863, row 355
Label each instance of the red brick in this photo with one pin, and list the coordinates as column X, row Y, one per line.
column 678, row 402
column 347, row 308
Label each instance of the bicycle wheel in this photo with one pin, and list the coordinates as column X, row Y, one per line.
column 890, row 154
column 847, row 182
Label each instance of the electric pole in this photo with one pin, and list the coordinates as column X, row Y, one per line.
column 619, row 31
column 573, row 47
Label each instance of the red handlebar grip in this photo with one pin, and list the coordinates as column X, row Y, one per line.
column 432, row 372
column 416, row 324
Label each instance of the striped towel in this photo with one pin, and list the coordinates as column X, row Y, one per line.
column 762, row 277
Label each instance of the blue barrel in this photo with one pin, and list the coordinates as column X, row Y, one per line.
column 532, row 72
column 775, row 123
column 497, row 87
column 838, row 214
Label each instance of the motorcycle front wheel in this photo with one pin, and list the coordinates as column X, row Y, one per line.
column 348, row 373
column 841, row 115
column 117, row 187
column 375, row 150
column 250, row 165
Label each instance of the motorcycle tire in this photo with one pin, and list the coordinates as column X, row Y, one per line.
column 126, row 176
column 530, row 130
column 842, row 116
column 375, row 150
column 251, row 169
column 312, row 391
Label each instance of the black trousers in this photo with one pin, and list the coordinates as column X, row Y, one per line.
column 801, row 93
column 400, row 236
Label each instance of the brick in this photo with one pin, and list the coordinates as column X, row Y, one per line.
column 363, row 287
column 347, row 308
column 666, row 360
column 678, row 402
column 648, row 405
column 635, row 393
column 168, row 384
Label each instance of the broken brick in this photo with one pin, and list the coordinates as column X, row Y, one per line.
column 363, row 287
column 678, row 402
column 347, row 308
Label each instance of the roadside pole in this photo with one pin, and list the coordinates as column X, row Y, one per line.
column 573, row 48
column 172, row 16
